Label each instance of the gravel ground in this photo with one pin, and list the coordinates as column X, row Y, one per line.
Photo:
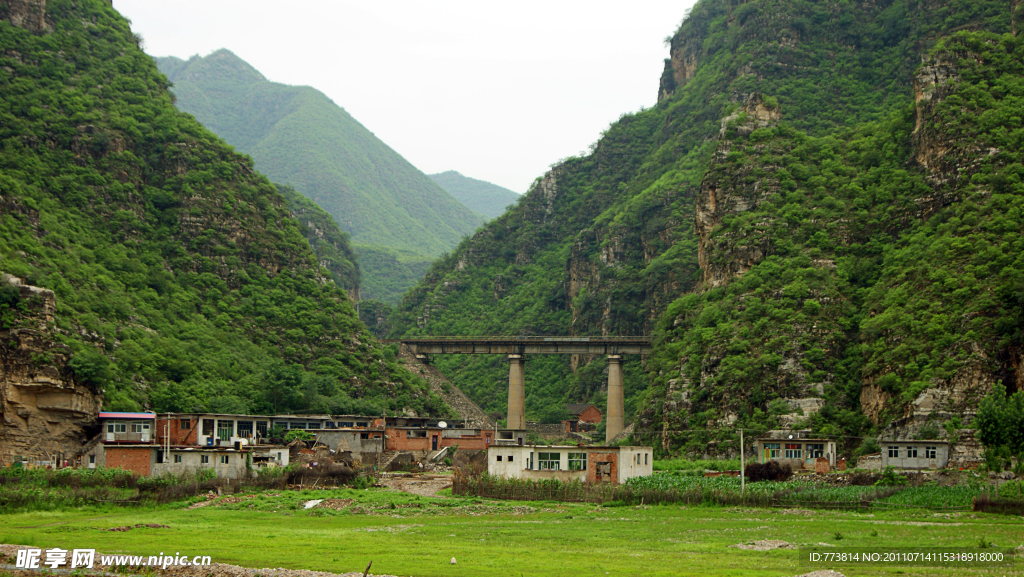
column 9, row 553
column 422, row 485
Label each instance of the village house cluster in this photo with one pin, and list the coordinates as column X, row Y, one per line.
column 232, row 446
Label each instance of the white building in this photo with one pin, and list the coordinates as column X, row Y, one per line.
column 569, row 463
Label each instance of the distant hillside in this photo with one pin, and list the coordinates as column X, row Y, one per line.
column 146, row 263
column 481, row 196
column 298, row 136
column 819, row 224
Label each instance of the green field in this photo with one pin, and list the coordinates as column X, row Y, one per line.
column 407, row 535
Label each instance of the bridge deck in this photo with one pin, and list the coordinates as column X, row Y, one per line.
column 527, row 345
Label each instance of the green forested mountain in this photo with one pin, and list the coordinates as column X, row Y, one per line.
column 480, row 196
column 298, row 136
column 807, row 246
column 181, row 279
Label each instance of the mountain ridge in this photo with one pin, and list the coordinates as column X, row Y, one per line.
column 480, row 196
column 300, row 137
column 634, row 237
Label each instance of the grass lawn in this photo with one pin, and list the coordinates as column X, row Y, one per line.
column 408, row 535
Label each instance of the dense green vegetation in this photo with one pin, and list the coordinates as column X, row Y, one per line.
column 851, row 255
column 182, row 281
column 480, row 196
column 1000, row 423
column 856, row 250
column 330, row 245
column 296, row 135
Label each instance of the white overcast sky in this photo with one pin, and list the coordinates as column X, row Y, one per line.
column 495, row 90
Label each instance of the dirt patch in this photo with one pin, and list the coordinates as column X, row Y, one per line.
column 422, row 485
column 335, row 504
column 764, row 545
column 822, row 573
column 139, row 526
column 211, row 499
column 803, row 512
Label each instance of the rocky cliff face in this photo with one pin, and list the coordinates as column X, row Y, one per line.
column 27, row 14
column 729, row 190
column 681, row 65
column 46, row 414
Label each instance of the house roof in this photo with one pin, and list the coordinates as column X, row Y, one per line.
column 577, row 408
column 117, row 415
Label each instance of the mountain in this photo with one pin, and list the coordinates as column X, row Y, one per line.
column 298, row 136
column 480, row 196
column 147, row 265
column 817, row 229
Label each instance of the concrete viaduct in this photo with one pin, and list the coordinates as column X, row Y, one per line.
column 516, row 348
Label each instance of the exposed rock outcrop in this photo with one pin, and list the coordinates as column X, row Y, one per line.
column 27, row 14
column 467, row 410
column 727, row 191
column 680, row 67
column 44, row 412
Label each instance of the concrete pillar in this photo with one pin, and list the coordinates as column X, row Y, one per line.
column 615, row 398
column 516, row 393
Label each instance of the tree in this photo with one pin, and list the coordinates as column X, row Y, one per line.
column 1000, row 424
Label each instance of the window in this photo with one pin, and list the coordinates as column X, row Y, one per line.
column 362, row 424
column 510, row 458
column 92, row 459
column 208, row 427
column 911, row 452
column 499, row 458
column 577, row 461
column 793, row 451
column 929, row 453
column 417, row 434
column 645, row 458
column 549, row 461
column 140, row 427
column 894, row 452
column 224, row 429
column 116, row 427
column 184, row 423
column 278, row 455
column 815, row 450
column 224, row 459
column 177, row 458
column 364, row 435
column 261, row 428
column 204, row 459
column 312, row 425
column 772, row 450
column 245, row 429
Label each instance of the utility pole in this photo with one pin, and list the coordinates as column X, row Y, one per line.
column 743, row 473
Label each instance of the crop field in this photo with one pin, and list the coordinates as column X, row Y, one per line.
column 405, row 534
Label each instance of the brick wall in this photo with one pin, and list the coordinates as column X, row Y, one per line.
column 593, row 460
column 179, row 435
column 399, row 440
column 591, row 415
column 135, row 459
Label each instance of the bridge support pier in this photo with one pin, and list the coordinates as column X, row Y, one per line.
column 615, row 423
column 516, row 393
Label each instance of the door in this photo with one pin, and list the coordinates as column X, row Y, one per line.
column 433, row 443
